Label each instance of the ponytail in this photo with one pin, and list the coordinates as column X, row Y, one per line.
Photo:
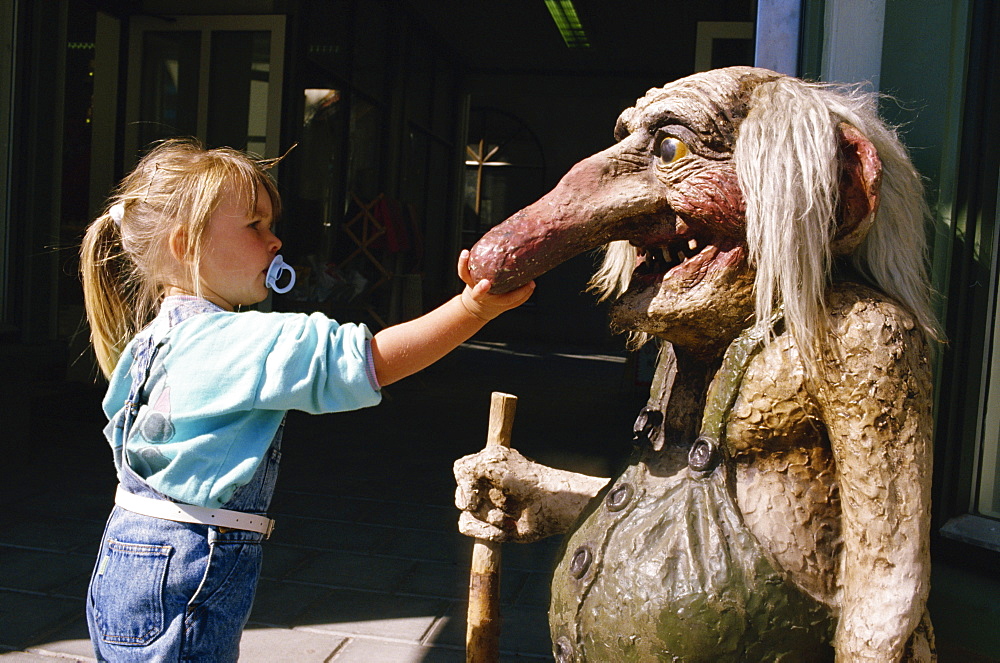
column 105, row 277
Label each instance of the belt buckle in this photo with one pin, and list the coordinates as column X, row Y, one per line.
column 270, row 528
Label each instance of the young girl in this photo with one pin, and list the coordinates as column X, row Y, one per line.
column 197, row 397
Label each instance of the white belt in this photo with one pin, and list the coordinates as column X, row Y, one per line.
column 188, row 513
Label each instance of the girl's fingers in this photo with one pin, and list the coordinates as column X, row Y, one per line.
column 481, row 288
column 524, row 293
column 520, row 294
column 463, row 267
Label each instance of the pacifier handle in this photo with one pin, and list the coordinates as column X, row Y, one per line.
column 275, row 271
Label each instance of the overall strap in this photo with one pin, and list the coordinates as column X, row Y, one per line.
column 142, row 353
column 173, row 311
column 707, row 450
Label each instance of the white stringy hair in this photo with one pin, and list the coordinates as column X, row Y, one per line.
column 787, row 162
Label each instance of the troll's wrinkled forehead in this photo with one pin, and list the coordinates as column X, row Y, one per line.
column 711, row 105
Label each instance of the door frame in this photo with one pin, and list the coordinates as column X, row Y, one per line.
column 275, row 24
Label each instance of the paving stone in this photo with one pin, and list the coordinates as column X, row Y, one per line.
column 426, row 517
column 449, row 580
column 37, row 571
column 364, row 650
column 535, row 591
column 24, row 618
column 523, row 631
column 350, row 612
column 74, row 589
column 281, row 561
column 82, row 506
column 532, row 556
column 526, row 631
column 71, row 641
column 25, row 657
column 329, row 535
column 340, row 507
column 433, row 546
column 446, row 580
column 267, row 645
column 354, row 570
column 51, row 533
column 281, row 603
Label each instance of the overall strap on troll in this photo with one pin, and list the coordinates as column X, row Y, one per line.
column 707, row 449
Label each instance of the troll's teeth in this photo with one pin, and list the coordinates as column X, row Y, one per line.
column 693, row 244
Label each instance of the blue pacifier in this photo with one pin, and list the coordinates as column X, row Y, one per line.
column 275, row 272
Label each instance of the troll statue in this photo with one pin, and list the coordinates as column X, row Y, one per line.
column 768, row 233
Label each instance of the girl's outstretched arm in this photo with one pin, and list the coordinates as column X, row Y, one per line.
column 408, row 347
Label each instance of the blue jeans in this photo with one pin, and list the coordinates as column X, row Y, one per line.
column 167, row 591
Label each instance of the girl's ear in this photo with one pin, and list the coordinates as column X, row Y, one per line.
column 179, row 244
column 860, row 180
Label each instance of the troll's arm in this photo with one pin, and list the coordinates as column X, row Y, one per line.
column 876, row 403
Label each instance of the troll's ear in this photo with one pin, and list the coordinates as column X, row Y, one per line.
column 860, row 180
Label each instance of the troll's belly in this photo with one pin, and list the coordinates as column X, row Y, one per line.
column 663, row 568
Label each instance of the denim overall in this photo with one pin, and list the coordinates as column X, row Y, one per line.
column 170, row 591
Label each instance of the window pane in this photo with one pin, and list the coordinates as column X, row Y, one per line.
column 366, row 130
column 987, row 492
column 504, row 171
column 238, row 93
column 989, row 481
column 169, row 88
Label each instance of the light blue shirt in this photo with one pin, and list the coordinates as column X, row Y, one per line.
column 219, row 388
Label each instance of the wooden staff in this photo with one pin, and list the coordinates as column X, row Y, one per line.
column 482, row 636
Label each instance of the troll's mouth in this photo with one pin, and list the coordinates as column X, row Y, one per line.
column 653, row 263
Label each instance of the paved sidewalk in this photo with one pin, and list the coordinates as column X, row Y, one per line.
column 365, row 563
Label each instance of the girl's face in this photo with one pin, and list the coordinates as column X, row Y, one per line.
column 236, row 252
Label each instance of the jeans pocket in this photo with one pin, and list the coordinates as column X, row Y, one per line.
column 230, row 583
column 128, row 592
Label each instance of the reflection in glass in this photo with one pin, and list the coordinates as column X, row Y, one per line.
column 169, row 87
column 238, row 92
column 320, row 154
column 504, row 170
column 989, row 481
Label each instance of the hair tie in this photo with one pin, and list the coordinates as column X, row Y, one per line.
column 117, row 213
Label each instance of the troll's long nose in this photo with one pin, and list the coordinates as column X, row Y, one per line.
column 602, row 198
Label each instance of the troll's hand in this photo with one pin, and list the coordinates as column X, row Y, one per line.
column 507, row 497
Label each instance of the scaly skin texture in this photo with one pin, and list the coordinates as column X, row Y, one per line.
column 829, row 471
column 833, row 474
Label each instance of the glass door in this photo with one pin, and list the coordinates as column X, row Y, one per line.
column 217, row 78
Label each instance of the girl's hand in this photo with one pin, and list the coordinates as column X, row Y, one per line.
column 477, row 298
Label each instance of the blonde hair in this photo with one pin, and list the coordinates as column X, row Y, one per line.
column 126, row 264
column 787, row 163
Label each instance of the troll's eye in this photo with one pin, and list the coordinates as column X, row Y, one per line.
column 672, row 149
